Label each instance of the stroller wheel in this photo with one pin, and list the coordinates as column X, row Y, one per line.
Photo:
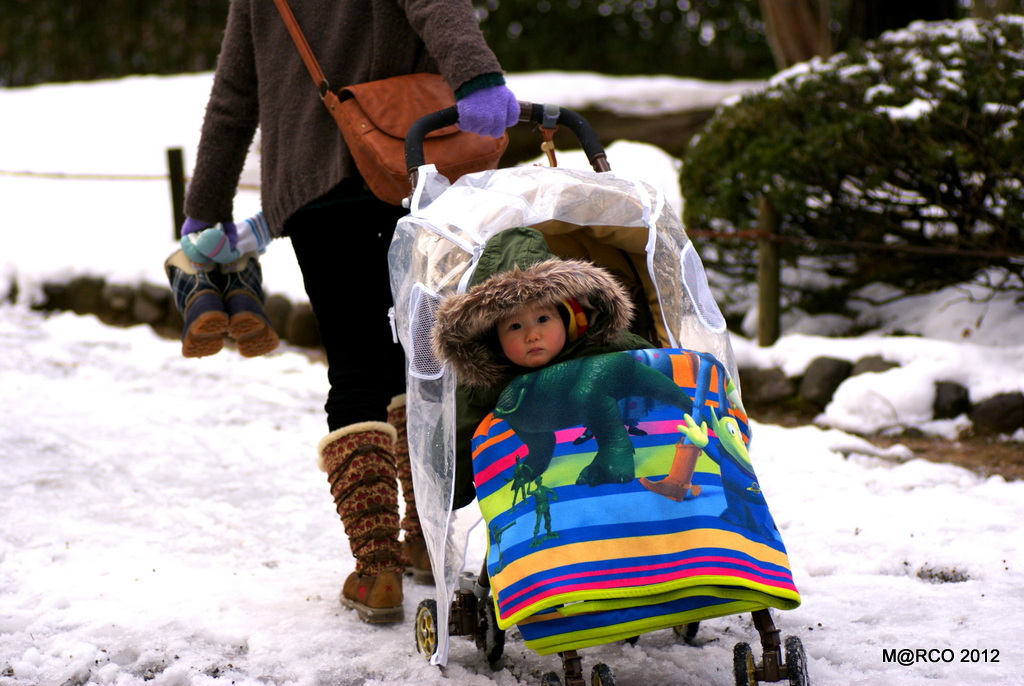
column 687, row 632
column 796, row 662
column 426, row 628
column 489, row 638
column 601, row 675
column 551, row 679
column 743, row 665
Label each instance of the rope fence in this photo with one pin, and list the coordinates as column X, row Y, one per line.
column 175, row 176
column 751, row 235
column 766, row 236
column 73, row 176
column 755, row 235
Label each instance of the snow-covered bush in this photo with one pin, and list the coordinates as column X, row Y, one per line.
column 914, row 141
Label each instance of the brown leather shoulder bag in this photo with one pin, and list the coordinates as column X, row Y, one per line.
column 375, row 116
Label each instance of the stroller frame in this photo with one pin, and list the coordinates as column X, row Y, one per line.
column 471, row 611
column 472, row 614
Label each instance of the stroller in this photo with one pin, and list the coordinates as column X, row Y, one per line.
column 690, row 538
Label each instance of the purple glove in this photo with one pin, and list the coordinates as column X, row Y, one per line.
column 488, row 111
column 193, row 225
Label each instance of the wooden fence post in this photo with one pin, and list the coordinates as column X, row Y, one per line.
column 767, row 275
column 176, row 172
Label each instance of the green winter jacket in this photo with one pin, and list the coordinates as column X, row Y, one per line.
column 516, row 268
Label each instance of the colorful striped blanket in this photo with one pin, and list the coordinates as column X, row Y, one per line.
column 620, row 499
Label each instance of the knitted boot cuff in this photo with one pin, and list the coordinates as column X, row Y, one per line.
column 347, row 430
column 397, row 402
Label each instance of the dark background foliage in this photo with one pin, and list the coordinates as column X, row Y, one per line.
column 71, row 40
column 850, row 183
column 80, row 40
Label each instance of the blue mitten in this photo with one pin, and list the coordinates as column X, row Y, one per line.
column 488, row 111
column 209, row 245
column 203, row 248
column 190, row 232
column 225, row 243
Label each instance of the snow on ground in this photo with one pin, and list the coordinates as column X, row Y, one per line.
column 162, row 520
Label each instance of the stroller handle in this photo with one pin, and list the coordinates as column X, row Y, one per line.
column 548, row 116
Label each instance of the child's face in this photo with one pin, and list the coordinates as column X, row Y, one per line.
column 532, row 336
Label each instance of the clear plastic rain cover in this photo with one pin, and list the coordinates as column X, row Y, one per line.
column 432, row 256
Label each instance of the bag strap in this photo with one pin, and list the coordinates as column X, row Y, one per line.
column 304, row 50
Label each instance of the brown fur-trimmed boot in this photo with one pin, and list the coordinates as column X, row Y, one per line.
column 414, row 547
column 361, row 471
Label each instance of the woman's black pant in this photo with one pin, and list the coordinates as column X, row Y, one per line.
column 342, row 251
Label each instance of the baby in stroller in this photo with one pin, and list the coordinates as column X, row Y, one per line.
column 612, row 475
column 524, row 309
column 627, row 528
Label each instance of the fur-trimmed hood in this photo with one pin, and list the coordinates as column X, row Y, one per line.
column 464, row 337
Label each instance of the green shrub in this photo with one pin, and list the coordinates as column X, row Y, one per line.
column 914, row 141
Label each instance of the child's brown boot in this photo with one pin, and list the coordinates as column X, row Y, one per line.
column 243, row 300
column 414, row 547
column 361, row 471
column 199, row 298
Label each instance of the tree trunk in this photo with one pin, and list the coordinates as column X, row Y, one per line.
column 797, row 30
